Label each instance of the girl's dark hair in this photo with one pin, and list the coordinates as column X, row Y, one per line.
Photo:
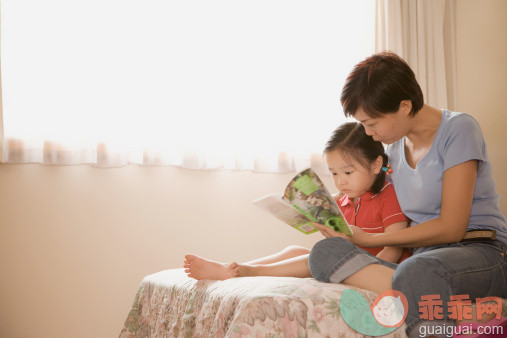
column 352, row 141
column 379, row 84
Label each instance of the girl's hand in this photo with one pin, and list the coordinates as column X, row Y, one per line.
column 328, row 232
column 359, row 236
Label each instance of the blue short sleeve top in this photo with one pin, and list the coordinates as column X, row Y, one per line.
column 458, row 139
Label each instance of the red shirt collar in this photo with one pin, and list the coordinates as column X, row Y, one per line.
column 366, row 196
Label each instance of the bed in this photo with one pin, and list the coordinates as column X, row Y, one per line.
column 170, row 304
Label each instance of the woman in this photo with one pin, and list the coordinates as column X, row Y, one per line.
column 444, row 183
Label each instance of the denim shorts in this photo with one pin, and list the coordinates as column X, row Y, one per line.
column 475, row 268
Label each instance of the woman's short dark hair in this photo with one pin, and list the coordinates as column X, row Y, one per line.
column 378, row 84
column 352, row 141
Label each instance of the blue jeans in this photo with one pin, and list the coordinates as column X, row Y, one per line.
column 478, row 269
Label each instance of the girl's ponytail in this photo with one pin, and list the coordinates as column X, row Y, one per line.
column 381, row 177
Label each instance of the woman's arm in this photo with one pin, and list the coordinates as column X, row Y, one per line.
column 392, row 253
column 457, row 196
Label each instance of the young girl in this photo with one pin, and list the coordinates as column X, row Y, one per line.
column 359, row 167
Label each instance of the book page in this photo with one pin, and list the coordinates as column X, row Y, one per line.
column 306, row 192
column 285, row 212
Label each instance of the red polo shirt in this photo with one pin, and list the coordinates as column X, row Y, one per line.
column 374, row 212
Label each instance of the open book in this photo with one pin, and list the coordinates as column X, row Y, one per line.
column 304, row 201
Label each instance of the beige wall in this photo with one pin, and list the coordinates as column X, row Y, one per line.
column 482, row 76
column 76, row 241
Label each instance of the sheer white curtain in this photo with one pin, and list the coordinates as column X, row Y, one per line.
column 200, row 84
column 423, row 33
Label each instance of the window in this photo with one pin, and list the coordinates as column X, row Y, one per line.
column 203, row 84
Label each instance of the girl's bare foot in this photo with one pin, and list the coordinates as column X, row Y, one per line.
column 199, row 268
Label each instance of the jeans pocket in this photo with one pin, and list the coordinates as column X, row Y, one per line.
column 497, row 245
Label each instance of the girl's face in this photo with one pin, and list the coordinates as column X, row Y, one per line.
column 390, row 127
column 349, row 176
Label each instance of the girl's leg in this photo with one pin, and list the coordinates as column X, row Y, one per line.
column 291, row 267
column 293, row 262
column 288, row 252
column 201, row 268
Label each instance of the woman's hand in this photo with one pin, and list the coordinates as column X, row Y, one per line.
column 359, row 236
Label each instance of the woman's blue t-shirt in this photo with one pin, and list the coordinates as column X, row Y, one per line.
column 458, row 139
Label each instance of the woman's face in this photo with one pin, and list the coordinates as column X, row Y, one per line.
column 349, row 176
column 386, row 129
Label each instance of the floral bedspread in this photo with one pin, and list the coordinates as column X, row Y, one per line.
column 170, row 304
